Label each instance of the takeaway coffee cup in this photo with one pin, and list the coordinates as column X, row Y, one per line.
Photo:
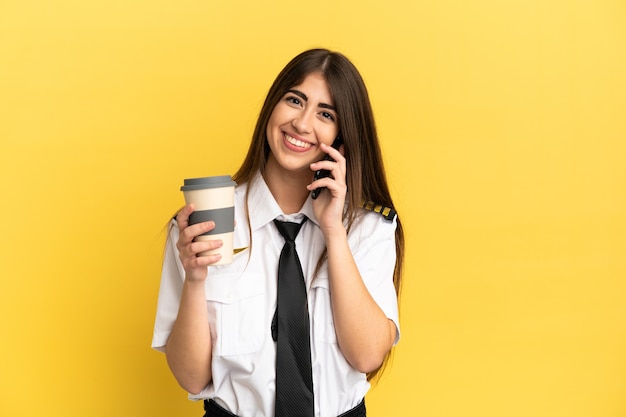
column 213, row 199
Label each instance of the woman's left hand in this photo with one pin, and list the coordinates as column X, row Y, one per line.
column 329, row 205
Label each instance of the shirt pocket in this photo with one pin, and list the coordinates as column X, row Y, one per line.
column 323, row 322
column 236, row 316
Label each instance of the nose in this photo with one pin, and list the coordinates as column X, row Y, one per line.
column 303, row 122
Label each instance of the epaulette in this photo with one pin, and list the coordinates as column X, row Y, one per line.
column 387, row 212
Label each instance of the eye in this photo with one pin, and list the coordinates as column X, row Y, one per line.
column 328, row 115
column 293, row 100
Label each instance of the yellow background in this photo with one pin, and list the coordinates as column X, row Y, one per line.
column 503, row 125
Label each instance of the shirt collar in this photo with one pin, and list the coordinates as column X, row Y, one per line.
column 263, row 208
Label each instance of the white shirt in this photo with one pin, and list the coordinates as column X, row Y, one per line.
column 241, row 300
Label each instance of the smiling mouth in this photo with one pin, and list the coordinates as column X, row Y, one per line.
column 297, row 142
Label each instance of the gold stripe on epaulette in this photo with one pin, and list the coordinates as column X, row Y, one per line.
column 387, row 212
column 238, row 250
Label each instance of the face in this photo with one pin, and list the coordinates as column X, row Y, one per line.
column 304, row 118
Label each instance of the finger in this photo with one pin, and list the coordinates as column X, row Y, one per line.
column 333, row 186
column 182, row 218
column 207, row 260
column 323, row 165
column 321, row 183
column 188, row 235
column 332, row 166
column 336, row 154
column 198, row 249
column 191, row 232
column 336, row 170
column 200, row 246
column 196, row 267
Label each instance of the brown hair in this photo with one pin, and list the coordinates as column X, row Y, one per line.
column 365, row 176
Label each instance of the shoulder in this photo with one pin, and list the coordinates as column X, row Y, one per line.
column 372, row 238
column 374, row 221
column 388, row 213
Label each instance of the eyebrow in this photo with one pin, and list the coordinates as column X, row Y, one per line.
column 305, row 98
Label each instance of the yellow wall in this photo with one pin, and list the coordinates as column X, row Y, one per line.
column 503, row 125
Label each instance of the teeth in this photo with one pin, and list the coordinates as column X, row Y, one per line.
column 297, row 142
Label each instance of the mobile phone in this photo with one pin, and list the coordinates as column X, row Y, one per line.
column 323, row 173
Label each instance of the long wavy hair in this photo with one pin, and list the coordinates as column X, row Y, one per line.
column 365, row 176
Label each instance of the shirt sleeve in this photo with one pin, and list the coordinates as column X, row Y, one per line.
column 373, row 243
column 170, row 290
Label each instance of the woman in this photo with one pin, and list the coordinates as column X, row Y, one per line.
column 216, row 323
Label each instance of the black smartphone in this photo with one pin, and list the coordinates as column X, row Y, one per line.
column 323, row 173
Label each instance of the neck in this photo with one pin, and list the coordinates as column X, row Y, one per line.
column 287, row 187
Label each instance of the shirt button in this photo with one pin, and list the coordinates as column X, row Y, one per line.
column 230, row 295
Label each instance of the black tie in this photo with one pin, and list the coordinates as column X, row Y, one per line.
column 290, row 330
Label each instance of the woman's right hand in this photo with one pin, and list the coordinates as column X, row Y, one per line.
column 188, row 250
